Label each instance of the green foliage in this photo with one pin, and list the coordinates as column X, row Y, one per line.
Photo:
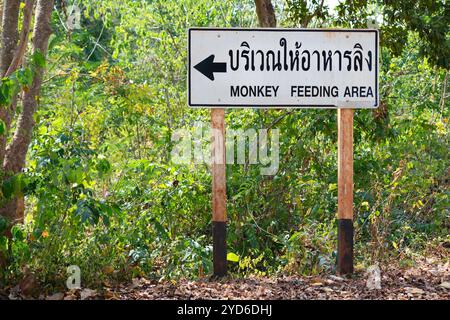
column 396, row 19
column 10, row 86
column 38, row 59
column 2, row 127
column 6, row 91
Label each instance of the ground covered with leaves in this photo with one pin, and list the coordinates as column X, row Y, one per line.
column 429, row 279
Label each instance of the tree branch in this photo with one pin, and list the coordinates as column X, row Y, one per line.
column 23, row 41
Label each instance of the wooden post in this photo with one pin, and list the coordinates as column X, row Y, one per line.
column 345, row 191
column 219, row 211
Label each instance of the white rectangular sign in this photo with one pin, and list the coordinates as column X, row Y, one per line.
column 283, row 68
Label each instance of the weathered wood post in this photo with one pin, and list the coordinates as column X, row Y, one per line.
column 219, row 210
column 345, row 191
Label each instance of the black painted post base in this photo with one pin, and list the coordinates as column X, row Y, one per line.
column 345, row 246
column 219, row 248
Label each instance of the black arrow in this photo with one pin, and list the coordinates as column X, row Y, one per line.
column 207, row 67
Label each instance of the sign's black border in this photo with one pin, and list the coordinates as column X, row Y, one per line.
column 269, row 106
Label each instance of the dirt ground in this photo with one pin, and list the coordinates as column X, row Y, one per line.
column 429, row 279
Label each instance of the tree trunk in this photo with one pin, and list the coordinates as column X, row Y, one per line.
column 8, row 112
column 23, row 40
column 266, row 18
column 16, row 151
column 10, row 34
column 1, row 15
column 9, row 38
column 265, row 13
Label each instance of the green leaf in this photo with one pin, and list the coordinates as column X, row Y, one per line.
column 2, row 127
column 53, row 41
column 232, row 257
column 3, row 224
column 74, row 175
column 86, row 212
column 161, row 230
column 17, row 232
column 6, row 91
column 103, row 166
column 18, row 184
column 25, row 76
column 38, row 59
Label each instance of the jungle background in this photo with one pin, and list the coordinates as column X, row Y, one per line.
column 87, row 117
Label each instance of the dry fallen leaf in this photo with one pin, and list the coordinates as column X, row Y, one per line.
column 70, row 297
column 56, row 296
column 316, row 284
column 108, row 295
column 28, row 284
column 336, row 278
column 87, row 293
column 135, row 282
column 412, row 290
column 445, row 285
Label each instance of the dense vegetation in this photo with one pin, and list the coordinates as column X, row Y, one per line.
column 102, row 193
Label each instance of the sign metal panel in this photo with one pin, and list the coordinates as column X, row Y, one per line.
column 300, row 68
